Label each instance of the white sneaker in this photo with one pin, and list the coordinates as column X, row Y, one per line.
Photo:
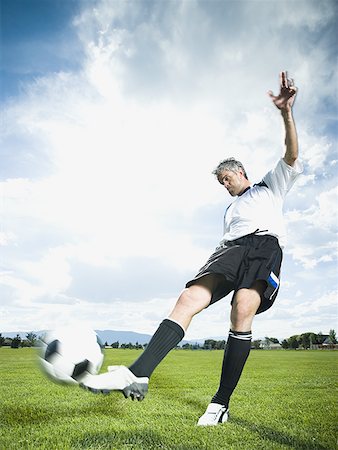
column 118, row 378
column 214, row 415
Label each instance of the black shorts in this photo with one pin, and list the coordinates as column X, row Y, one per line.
column 242, row 262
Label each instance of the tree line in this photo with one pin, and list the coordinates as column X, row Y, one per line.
column 305, row 341
column 31, row 340
column 310, row 340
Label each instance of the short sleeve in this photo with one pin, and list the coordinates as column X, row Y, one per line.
column 281, row 179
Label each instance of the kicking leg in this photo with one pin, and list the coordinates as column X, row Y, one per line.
column 133, row 381
column 171, row 331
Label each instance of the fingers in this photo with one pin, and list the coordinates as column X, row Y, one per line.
column 287, row 83
column 292, row 90
column 270, row 93
column 283, row 80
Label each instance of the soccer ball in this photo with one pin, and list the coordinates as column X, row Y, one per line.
column 69, row 354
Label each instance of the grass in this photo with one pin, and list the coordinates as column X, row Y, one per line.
column 285, row 400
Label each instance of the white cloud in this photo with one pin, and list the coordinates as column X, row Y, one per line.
column 329, row 300
column 6, row 238
column 315, row 150
column 131, row 138
column 318, row 241
column 326, row 215
column 308, row 258
column 291, row 316
column 322, row 214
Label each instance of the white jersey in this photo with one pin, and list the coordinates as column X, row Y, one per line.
column 260, row 207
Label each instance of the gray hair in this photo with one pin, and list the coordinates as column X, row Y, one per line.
column 229, row 164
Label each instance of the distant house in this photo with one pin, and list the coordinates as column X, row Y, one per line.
column 328, row 345
column 318, row 344
column 269, row 345
column 7, row 342
column 274, row 346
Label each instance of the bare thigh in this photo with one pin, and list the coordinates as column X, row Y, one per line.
column 194, row 299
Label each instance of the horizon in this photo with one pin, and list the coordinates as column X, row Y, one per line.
column 219, row 338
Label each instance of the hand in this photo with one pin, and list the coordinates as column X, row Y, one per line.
column 287, row 95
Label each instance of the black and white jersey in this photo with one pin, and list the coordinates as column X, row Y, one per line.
column 261, row 206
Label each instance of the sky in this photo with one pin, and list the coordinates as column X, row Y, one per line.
column 114, row 115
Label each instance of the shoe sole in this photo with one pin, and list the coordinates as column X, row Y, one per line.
column 135, row 390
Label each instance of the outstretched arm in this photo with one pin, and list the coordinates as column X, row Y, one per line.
column 284, row 102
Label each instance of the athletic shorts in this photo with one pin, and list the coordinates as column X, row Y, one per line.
column 240, row 263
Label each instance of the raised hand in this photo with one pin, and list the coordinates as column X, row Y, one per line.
column 287, row 94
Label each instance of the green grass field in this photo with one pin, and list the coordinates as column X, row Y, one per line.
column 285, row 400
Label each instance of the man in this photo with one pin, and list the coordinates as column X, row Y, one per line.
column 247, row 262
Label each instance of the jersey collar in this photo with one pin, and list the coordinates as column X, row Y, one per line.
column 245, row 190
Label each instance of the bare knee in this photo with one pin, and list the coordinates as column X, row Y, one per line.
column 242, row 316
column 193, row 299
column 244, row 308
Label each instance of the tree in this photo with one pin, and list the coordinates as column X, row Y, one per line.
column 267, row 343
column 186, row 346
column 320, row 338
column 115, row 344
column 332, row 337
column 285, row 344
column 293, row 342
column 31, row 338
column 220, row 345
column 16, row 342
column 209, row 344
column 304, row 340
column 256, row 344
column 2, row 340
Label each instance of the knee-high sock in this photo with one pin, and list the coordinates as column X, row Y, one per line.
column 166, row 337
column 235, row 355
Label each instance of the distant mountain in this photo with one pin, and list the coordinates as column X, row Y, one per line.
column 123, row 337
column 110, row 336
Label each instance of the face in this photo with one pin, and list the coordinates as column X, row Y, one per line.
column 234, row 182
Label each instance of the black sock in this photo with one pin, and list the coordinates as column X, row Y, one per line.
column 235, row 356
column 166, row 337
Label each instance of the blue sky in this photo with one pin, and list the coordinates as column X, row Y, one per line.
column 115, row 113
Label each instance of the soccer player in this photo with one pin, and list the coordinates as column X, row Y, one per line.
column 247, row 262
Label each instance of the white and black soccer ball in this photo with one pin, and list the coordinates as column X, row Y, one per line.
column 69, row 354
